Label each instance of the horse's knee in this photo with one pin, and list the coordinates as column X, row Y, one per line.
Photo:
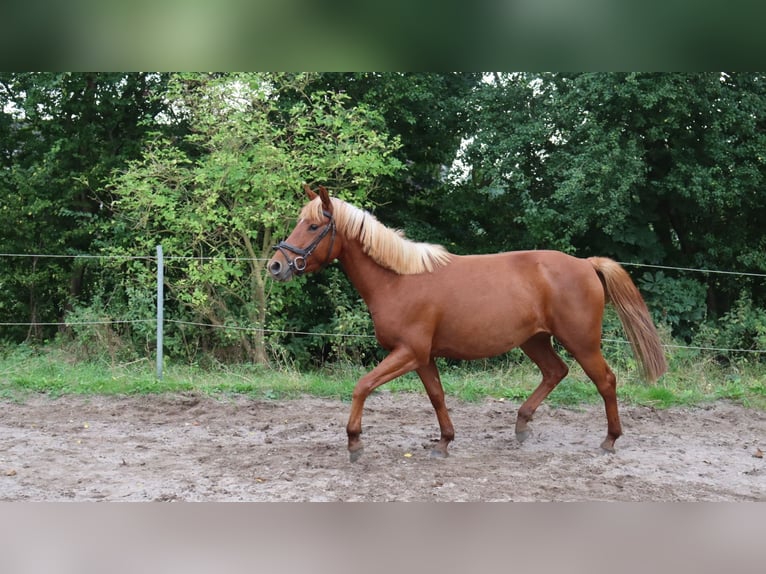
column 360, row 393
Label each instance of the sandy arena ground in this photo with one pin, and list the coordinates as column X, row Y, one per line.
column 194, row 448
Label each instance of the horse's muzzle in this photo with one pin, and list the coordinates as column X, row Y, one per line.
column 280, row 271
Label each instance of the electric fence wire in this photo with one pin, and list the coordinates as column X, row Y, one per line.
column 314, row 333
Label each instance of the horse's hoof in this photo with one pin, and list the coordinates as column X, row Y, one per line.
column 437, row 453
column 355, row 455
column 607, row 446
column 521, row 436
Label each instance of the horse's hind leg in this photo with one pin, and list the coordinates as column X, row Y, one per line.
column 553, row 368
column 429, row 374
column 594, row 365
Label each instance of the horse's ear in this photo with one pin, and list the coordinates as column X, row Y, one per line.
column 323, row 193
column 309, row 191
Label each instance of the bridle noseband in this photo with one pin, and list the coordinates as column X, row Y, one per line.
column 298, row 264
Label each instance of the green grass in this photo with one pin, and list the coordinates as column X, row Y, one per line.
column 690, row 381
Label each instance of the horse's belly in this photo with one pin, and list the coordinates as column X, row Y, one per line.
column 483, row 335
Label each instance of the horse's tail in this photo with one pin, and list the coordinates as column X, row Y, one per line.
column 634, row 316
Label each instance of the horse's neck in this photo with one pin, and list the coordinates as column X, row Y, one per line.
column 368, row 277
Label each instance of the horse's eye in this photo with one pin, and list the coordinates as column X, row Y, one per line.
column 313, row 227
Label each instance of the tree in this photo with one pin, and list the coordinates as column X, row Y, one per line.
column 218, row 198
column 430, row 115
column 653, row 168
column 61, row 135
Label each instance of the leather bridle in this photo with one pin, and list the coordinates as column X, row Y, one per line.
column 298, row 264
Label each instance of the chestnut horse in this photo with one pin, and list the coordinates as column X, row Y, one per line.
column 427, row 303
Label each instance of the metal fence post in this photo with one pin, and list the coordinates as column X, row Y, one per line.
column 160, row 308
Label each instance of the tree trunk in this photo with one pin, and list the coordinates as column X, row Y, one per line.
column 258, row 292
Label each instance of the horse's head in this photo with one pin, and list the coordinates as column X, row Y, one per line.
column 311, row 245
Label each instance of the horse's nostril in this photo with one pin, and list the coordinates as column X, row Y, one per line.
column 275, row 267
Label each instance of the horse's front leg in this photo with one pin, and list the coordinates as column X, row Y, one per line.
column 429, row 374
column 400, row 361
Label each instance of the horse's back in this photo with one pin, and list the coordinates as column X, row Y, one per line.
column 542, row 271
column 488, row 304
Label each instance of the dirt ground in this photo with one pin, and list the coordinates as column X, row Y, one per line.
column 194, row 448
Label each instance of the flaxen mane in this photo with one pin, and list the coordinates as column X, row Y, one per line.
column 388, row 247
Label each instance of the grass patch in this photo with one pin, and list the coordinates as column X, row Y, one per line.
column 690, row 381
column 53, row 373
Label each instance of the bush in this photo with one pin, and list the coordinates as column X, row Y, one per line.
column 351, row 324
column 677, row 302
column 91, row 334
column 743, row 327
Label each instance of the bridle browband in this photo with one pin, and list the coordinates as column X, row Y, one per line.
column 298, row 264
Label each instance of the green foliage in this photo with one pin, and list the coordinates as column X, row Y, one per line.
column 427, row 112
column 742, row 327
column 61, row 135
column 351, row 326
column 657, row 168
column 679, row 303
column 91, row 334
column 219, row 198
